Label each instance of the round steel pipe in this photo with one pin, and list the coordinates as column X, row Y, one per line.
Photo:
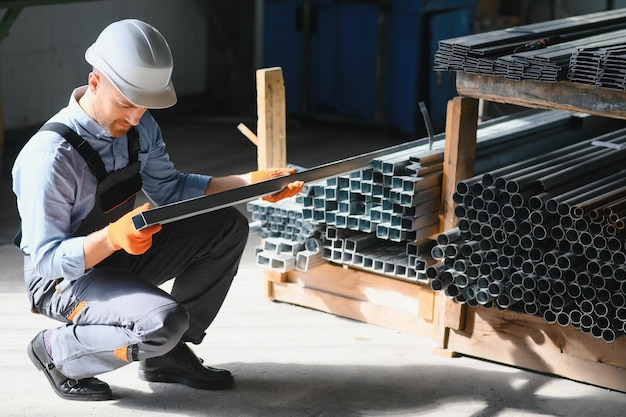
column 563, row 318
column 549, row 316
column 599, row 165
column 448, row 237
column 531, row 309
column 463, row 281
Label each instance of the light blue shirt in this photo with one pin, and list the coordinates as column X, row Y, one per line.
column 56, row 190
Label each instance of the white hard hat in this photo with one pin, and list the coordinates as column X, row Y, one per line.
column 137, row 60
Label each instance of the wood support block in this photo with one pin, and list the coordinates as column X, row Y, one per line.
column 270, row 277
column 454, row 315
column 274, row 276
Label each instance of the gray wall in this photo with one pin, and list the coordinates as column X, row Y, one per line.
column 42, row 58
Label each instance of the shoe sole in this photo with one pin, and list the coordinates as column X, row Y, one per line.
column 149, row 376
column 76, row 397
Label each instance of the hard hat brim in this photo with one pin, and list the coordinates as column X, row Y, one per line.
column 150, row 100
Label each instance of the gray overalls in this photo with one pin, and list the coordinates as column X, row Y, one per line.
column 116, row 313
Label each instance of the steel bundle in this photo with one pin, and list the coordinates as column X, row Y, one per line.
column 392, row 204
column 600, row 66
column 546, row 237
column 540, row 51
column 393, row 201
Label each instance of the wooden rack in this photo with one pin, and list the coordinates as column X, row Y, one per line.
column 505, row 337
column 514, row 338
column 360, row 295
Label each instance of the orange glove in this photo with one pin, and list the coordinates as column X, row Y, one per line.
column 267, row 174
column 122, row 234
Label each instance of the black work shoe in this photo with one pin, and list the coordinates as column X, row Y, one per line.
column 182, row 366
column 87, row 389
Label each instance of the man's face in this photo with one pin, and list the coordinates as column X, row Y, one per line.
column 111, row 109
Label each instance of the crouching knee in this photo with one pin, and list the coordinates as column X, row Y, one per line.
column 167, row 328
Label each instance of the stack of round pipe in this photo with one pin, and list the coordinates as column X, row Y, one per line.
column 546, row 237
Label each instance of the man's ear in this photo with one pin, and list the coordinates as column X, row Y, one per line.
column 94, row 81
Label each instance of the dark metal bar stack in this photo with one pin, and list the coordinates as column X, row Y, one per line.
column 540, row 51
column 396, row 197
column 545, row 237
column 600, row 65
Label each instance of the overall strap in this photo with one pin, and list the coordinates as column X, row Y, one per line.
column 133, row 145
column 96, row 166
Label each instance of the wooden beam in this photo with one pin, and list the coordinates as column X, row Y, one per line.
column 361, row 295
column 271, row 124
column 271, row 137
column 458, row 164
column 563, row 95
column 459, row 153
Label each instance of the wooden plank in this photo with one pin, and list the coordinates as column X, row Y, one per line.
column 271, row 123
column 529, row 342
column 362, row 286
column 458, row 164
column 563, row 95
column 459, row 154
column 354, row 309
column 271, row 138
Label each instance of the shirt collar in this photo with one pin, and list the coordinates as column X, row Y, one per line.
column 82, row 118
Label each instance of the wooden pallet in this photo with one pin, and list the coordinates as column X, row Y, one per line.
column 529, row 342
column 359, row 295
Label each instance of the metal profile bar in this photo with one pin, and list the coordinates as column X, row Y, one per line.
column 195, row 206
column 306, row 260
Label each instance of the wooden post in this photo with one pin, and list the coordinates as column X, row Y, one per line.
column 271, row 138
column 458, row 164
column 459, row 154
column 271, row 124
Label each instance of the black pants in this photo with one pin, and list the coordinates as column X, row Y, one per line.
column 116, row 313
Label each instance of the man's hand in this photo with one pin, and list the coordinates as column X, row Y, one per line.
column 267, row 174
column 122, row 234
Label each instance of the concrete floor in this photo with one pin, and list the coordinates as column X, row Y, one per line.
column 288, row 360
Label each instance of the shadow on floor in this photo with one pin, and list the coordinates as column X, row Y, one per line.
column 269, row 389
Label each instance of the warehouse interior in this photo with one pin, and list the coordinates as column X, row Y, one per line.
column 335, row 337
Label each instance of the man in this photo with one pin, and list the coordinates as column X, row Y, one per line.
column 86, row 266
